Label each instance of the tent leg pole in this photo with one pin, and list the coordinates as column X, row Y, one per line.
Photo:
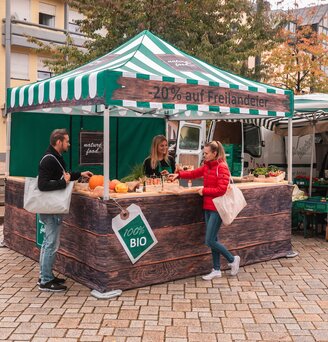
column 290, row 152
column 106, row 153
column 312, row 158
column 291, row 253
column 8, row 138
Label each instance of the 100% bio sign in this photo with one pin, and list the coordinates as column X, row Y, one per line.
column 136, row 238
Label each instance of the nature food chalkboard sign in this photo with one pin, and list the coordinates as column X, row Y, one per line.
column 91, row 148
column 134, row 233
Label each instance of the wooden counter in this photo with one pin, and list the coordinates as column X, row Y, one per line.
column 91, row 254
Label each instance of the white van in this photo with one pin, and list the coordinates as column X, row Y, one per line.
column 247, row 146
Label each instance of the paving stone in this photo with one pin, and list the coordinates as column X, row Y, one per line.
column 176, row 332
column 278, row 300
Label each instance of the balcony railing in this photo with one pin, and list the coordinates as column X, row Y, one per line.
column 21, row 30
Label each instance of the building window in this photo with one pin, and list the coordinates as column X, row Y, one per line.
column 47, row 14
column 20, row 9
column 19, row 64
column 43, row 70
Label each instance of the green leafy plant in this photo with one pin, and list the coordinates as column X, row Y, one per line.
column 261, row 171
column 137, row 172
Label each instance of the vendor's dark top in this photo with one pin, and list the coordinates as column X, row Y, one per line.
column 161, row 165
column 50, row 172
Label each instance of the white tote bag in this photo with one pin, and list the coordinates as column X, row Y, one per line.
column 230, row 204
column 46, row 202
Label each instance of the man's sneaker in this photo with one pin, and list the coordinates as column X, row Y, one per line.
column 55, row 280
column 213, row 274
column 51, row 286
column 235, row 265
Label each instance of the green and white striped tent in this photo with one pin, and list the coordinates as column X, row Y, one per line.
column 149, row 77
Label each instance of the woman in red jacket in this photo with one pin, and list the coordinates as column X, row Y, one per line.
column 216, row 176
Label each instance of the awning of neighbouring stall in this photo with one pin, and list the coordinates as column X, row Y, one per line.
column 149, row 77
column 311, row 109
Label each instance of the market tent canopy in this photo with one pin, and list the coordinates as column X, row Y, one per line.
column 149, row 77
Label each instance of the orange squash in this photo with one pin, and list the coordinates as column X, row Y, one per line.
column 121, row 188
column 113, row 183
column 96, row 180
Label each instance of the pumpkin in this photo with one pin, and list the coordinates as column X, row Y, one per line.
column 96, row 180
column 121, row 187
column 113, row 183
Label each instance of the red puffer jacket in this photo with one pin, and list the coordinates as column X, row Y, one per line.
column 216, row 180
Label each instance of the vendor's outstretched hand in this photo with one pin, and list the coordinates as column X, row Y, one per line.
column 86, row 174
column 173, row 177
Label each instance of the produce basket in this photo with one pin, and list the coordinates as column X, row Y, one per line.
column 277, row 179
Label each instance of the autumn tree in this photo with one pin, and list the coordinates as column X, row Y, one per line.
column 300, row 63
column 223, row 33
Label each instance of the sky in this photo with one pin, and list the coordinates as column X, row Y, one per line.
column 285, row 4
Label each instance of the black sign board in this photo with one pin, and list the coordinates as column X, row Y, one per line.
column 91, row 148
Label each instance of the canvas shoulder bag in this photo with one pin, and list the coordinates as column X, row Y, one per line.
column 46, row 202
column 230, row 204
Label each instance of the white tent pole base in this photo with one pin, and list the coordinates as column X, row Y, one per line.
column 106, row 295
column 291, row 254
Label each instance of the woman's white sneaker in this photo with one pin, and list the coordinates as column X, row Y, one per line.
column 213, row 274
column 235, row 265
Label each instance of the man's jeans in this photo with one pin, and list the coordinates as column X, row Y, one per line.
column 50, row 245
column 213, row 223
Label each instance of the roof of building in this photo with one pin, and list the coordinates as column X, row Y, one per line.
column 311, row 15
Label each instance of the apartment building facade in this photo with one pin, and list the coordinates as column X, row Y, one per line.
column 46, row 20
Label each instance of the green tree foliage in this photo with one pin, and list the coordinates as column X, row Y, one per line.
column 223, row 33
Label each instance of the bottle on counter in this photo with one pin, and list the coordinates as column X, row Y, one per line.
column 144, row 186
column 189, row 183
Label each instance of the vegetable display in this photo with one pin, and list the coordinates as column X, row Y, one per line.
column 270, row 171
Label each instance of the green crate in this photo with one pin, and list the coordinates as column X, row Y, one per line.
column 301, row 182
column 313, row 204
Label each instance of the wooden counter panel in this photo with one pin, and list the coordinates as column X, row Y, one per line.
column 20, row 221
column 91, row 254
column 256, row 230
column 14, row 193
column 160, row 211
column 19, row 243
column 93, row 249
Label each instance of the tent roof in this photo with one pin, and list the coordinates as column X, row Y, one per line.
column 150, row 76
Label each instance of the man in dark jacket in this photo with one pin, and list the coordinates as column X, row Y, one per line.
column 53, row 176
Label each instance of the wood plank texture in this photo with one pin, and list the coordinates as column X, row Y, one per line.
column 91, row 254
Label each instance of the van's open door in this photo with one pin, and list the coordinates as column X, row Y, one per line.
column 190, row 143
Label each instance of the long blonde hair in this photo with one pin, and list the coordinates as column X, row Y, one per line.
column 217, row 147
column 154, row 158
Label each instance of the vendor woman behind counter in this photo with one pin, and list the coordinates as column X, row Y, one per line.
column 159, row 162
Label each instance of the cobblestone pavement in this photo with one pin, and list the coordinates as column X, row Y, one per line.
column 279, row 300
